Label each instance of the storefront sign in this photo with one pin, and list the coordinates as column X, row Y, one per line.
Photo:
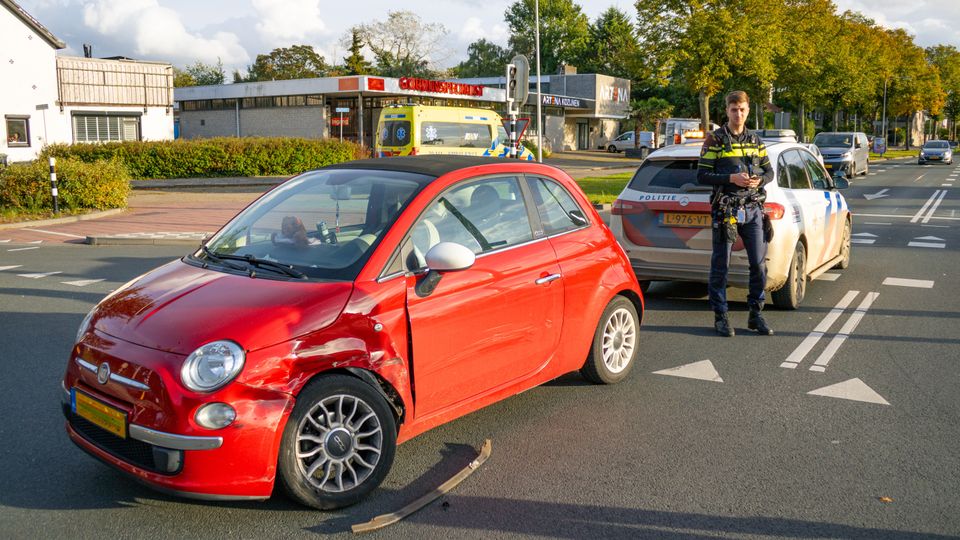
column 440, row 87
column 557, row 101
column 375, row 83
column 615, row 94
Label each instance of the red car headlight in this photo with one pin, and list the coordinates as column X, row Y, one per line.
column 212, row 366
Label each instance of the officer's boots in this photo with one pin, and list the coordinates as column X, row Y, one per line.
column 756, row 322
column 722, row 325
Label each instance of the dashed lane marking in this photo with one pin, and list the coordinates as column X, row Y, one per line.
column 828, row 276
column 68, row 235
column 812, row 338
column 82, row 282
column 5, row 241
column 39, row 275
column 853, row 389
column 2, row 268
column 821, row 363
column 903, row 282
column 24, row 249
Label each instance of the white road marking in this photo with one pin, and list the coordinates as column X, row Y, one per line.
column 919, row 177
column 937, row 226
column 897, row 216
column 936, row 205
column 24, row 249
column 35, row 242
column 82, row 282
column 902, row 282
column 56, row 233
column 865, row 234
column 872, row 174
column 878, row 195
column 926, row 245
column 853, row 389
column 39, row 275
column 2, row 268
column 930, row 238
column 828, row 277
column 916, row 217
column 845, row 331
column 5, row 241
column 813, row 337
column 946, row 185
column 862, row 241
column 702, row 370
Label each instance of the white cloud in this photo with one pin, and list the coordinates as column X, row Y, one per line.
column 931, row 22
column 474, row 28
column 158, row 32
column 284, row 20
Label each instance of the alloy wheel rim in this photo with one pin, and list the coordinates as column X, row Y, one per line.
column 619, row 340
column 801, row 280
column 339, row 443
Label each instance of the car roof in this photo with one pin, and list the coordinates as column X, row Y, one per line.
column 774, row 148
column 430, row 165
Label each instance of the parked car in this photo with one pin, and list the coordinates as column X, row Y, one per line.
column 777, row 135
column 844, row 151
column 625, row 141
column 662, row 218
column 935, row 151
column 284, row 349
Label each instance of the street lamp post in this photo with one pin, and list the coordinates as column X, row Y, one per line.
column 536, row 34
column 883, row 123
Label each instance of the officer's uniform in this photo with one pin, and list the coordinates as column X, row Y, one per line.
column 736, row 210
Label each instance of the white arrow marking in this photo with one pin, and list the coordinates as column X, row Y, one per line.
column 930, row 238
column 39, row 275
column 865, row 235
column 2, row 268
column 878, row 195
column 82, row 282
column 854, row 390
column 901, row 282
column 702, row 370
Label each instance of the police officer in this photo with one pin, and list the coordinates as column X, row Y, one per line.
column 734, row 161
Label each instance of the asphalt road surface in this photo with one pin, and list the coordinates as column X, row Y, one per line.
column 842, row 425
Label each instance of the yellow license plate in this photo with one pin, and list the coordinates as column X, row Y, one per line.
column 101, row 414
column 673, row 219
column 827, row 165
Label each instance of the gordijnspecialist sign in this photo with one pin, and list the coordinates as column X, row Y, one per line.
column 440, row 87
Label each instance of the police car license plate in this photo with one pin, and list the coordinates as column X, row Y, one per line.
column 103, row 415
column 827, row 165
column 675, row 219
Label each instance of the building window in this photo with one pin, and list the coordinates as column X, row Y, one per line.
column 18, row 131
column 103, row 128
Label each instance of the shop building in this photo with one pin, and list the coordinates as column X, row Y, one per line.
column 46, row 99
column 584, row 114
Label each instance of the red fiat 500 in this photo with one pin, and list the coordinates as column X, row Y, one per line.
column 347, row 310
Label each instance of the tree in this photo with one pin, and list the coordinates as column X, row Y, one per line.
column 946, row 58
column 484, row 59
column 648, row 113
column 295, row 62
column 403, row 45
column 613, row 46
column 564, row 32
column 356, row 64
column 199, row 74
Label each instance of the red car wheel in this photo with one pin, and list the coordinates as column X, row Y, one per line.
column 614, row 349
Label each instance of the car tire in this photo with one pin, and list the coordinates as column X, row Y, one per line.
column 866, row 169
column 791, row 294
column 845, row 248
column 615, row 344
column 612, row 149
column 358, row 419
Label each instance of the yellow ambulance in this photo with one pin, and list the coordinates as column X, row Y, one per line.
column 410, row 130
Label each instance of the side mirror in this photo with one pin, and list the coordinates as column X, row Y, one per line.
column 841, row 183
column 443, row 257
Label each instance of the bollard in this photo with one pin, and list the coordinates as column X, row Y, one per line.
column 53, row 184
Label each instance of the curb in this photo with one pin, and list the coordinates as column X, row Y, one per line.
column 58, row 221
column 112, row 241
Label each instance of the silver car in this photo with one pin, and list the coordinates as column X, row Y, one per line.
column 935, row 151
column 625, row 141
column 844, row 151
column 662, row 220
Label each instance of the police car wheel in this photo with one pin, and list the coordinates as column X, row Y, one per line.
column 845, row 248
column 338, row 444
column 791, row 294
column 615, row 344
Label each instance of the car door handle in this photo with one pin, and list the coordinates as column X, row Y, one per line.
column 548, row 279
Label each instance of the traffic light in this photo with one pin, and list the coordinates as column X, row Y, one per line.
column 511, row 81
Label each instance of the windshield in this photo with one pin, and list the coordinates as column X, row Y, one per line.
column 324, row 224
column 936, row 144
column 833, row 139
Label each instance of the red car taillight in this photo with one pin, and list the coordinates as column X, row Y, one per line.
column 774, row 210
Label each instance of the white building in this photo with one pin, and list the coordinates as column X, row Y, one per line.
column 46, row 99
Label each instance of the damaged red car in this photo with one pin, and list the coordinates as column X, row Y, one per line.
column 343, row 312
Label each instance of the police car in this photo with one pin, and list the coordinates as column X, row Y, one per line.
column 662, row 220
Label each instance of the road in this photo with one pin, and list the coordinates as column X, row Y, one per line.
column 842, row 425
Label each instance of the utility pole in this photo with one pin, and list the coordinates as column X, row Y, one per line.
column 536, row 34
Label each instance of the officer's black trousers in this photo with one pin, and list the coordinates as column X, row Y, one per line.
column 751, row 232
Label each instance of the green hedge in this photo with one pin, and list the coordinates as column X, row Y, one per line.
column 222, row 156
column 532, row 147
column 101, row 185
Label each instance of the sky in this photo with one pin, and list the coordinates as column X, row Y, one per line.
column 235, row 31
